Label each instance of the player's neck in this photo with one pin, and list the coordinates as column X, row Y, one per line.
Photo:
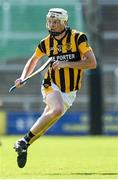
column 60, row 36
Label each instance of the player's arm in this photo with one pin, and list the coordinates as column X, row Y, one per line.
column 88, row 62
column 29, row 66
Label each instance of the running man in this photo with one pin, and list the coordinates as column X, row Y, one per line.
column 71, row 55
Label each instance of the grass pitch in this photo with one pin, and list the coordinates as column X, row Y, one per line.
column 62, row 158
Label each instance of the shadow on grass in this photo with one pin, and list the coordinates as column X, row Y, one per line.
column 95, row 174
column 84, row 174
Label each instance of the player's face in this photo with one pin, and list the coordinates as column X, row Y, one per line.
column 54, row 25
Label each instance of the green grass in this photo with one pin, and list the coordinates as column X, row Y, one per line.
column 62, row 158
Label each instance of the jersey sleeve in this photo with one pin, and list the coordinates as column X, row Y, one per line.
column 83, row 44
column 40, row 50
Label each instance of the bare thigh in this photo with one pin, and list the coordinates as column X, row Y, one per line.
column 54, row 101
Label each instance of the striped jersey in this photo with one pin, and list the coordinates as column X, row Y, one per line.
column 70, row 48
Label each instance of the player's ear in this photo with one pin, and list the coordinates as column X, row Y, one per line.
column 66, row 23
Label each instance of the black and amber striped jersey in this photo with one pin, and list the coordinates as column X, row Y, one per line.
column 70, row 48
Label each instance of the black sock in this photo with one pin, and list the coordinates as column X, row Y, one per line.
column 29, row 136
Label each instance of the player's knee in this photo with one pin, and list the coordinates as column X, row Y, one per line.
column 58, row 110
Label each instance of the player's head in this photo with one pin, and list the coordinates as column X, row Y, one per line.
column 57, row 21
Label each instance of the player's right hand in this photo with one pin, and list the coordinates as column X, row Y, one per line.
column 18, row 83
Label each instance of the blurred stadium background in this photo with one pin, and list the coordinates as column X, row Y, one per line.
column 22, row 25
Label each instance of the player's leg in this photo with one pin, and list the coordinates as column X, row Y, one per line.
column 57, row 104
column 52, row 112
